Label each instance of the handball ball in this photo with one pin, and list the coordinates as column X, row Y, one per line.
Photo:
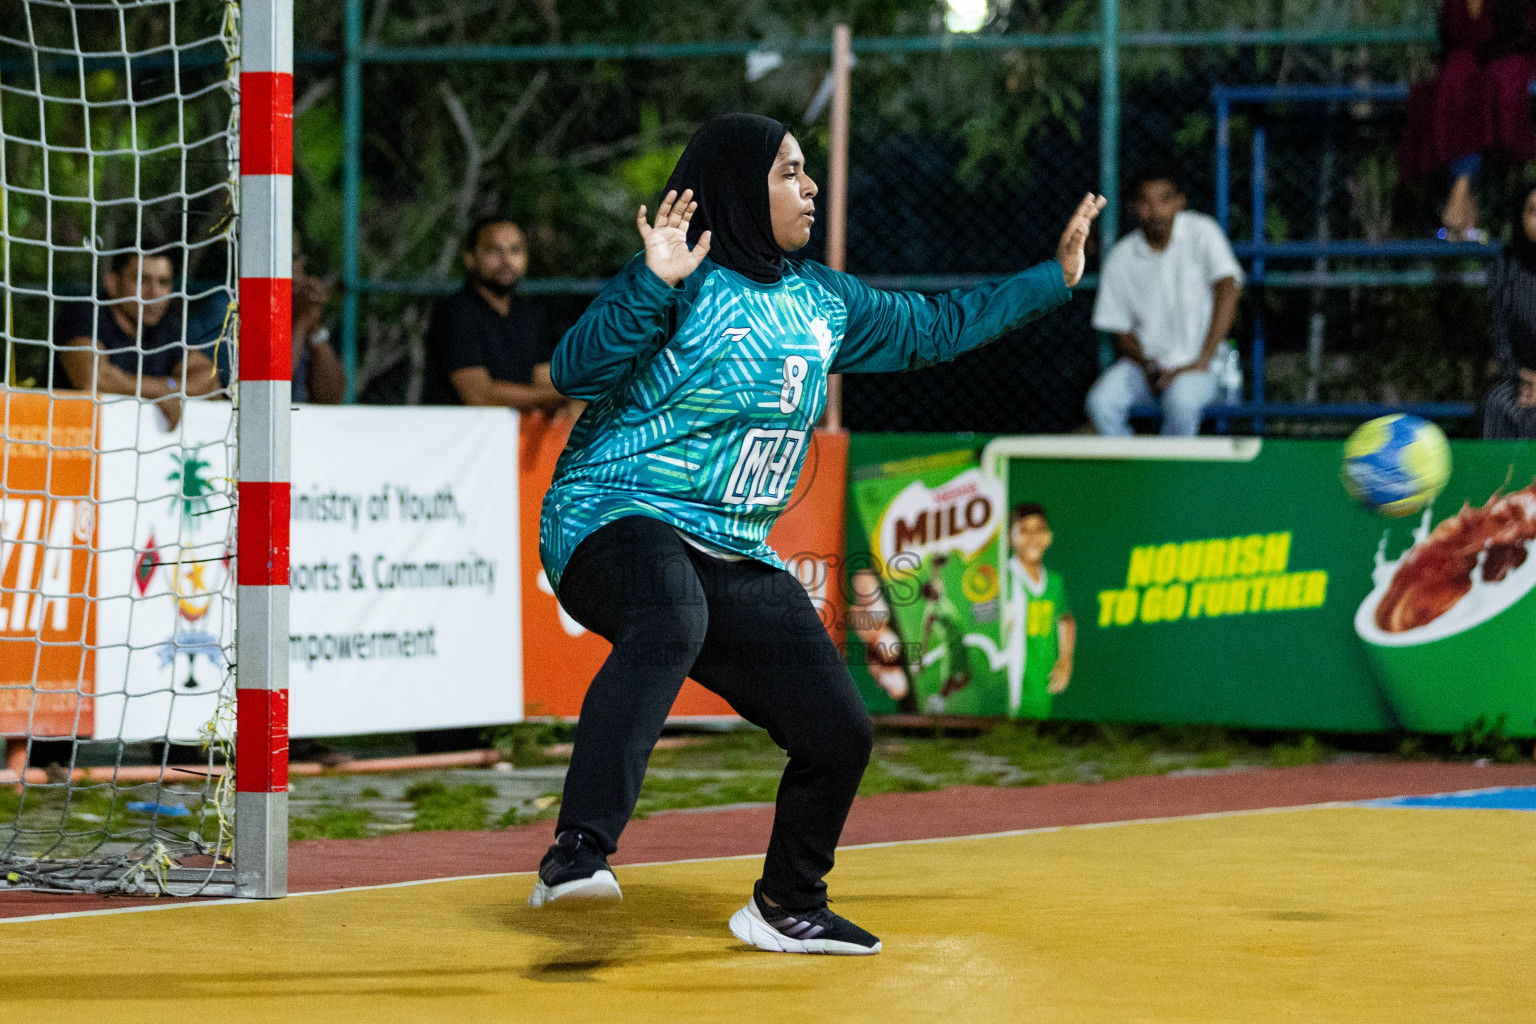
column 1396, row 465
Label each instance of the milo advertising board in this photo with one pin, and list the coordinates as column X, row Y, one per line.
column 950, row 622
column 1222, row 581
column 1450, row 625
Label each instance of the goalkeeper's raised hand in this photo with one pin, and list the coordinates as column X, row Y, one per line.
column 666, row 243
column 1069, row 251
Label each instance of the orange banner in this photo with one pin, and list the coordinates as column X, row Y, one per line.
column 560, row 657
column 47, row 536
column 811, row 534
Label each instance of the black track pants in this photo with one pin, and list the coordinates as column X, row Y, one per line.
column 746, row 631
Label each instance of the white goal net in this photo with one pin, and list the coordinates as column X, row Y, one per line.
column 118, row 156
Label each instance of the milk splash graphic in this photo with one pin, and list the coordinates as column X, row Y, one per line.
column 1483, row 602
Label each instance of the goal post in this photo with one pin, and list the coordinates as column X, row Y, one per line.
column 145, row 308
column 264, row 390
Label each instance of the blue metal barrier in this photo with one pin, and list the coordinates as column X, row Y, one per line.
column 1259, row 250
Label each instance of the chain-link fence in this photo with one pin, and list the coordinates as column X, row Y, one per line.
column 964, row 163
column 1330, row 175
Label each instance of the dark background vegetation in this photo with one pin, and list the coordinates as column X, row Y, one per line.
column 963, row 163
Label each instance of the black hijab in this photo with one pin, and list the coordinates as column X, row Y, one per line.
column 726, row 164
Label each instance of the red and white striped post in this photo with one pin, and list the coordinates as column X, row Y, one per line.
column 265, row 359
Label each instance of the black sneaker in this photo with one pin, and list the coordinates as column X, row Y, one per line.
column 762, row 924
column 574, row 868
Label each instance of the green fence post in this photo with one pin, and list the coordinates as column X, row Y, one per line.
column 351, row 184
column 1109, row 120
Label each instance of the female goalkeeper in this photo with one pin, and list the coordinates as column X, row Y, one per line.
column 704, row 365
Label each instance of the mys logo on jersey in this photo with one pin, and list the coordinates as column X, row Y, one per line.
column 762, row 366
column 711, row 433
column 768, row 456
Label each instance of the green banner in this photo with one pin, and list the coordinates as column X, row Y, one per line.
column 931, row 593
column 1216, row 581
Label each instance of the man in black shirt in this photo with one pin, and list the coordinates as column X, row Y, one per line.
column 485, row 344
column 136, row 336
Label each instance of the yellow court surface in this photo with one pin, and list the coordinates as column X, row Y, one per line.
column 1337, row 914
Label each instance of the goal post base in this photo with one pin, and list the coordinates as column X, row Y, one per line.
column 110, row 878
column 261, row 849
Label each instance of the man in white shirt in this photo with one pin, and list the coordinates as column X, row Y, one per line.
column 1168, row 293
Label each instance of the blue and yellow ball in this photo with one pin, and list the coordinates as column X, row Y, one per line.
column 1396, row 465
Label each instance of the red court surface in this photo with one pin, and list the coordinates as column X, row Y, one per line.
column 326, row 864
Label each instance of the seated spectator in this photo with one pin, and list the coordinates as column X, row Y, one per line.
column 1168, row 292
column 318, row 375
column 129, row 342
column 1478, row 103
column 1511, row 405
column 485, row 344
column 211, row 329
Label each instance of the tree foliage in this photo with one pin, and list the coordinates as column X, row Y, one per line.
column 962, row 160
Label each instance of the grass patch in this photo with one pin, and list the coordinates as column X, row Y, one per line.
column 934, row 757
column 545, row 808
column 53, row 821
column 878, row 778
column 737, row 750
column 1307, row 750
column 671, row 794
column 1212, row 759
column 523, row 743
column 331, row 822
column 1031, row 749
column 440, row 807
column 1481, row 739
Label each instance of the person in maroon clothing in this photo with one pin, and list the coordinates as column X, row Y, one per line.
column 1477, row 104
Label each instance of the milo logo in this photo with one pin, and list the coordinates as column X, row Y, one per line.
column 958, row 515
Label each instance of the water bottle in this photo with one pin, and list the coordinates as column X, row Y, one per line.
column 1230, row 377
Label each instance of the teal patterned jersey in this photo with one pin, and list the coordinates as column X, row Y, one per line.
column 702, row 398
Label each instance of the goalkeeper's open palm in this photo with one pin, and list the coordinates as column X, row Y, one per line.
column 1069, row 251
column 666, row 243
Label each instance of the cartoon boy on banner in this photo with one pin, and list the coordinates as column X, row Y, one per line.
column 1039, row 633
column 942, row 623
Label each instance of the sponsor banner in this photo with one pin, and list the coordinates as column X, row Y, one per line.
column 937, row 631
column 47, row 534
column 404, row 567
column 562, row 656
column 1209, row 581
column 164, row 582
column 810, row 535
column 1234, row 582
column 405, row 598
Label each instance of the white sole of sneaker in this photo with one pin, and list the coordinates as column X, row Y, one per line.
column 748, row 925
column 601, row 886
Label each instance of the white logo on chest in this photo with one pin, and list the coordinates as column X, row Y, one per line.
column 823, row 335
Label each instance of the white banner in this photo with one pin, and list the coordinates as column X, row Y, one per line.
column 406, row 606
column 405, row 597
column 164, row 581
